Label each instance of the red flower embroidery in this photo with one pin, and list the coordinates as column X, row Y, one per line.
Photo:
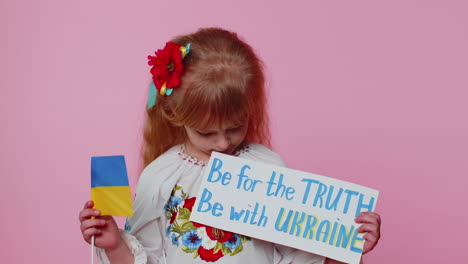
column 189, row 203
column 208, row 255
column 167, row 66
column 173, row 217
column 195, row 224
column 218, row 234
column 214, row 233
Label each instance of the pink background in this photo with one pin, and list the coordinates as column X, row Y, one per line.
column 372, row 93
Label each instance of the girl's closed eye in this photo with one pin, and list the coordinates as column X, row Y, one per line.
column 205, row 134
column 235, row 129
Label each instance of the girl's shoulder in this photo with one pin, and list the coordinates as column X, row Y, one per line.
column 260, row 153
column 166, row 158
column 167, row 163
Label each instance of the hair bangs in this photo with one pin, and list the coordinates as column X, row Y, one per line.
column 219, row 106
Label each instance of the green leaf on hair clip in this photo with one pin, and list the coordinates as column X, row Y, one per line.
column 152, row 95
column 169, row 91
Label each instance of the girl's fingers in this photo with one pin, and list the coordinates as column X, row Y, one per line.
column 370, row 242
column 88, row 213
column 88, row 204
column 370, row 238
column 88, row 233
column 368, row 217
column 374, row 215
column 369, row 228
column 92, row 223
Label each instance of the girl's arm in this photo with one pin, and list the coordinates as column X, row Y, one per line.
column 120, row 255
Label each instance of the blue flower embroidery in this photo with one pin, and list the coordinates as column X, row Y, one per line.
column 175, row 241
column 175, row 200
column 191, row 240
column 168, row 230
column 234, row 242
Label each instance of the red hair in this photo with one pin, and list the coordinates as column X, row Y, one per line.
column 223, row 84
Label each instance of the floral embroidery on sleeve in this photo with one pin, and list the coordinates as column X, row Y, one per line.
column 208, row 243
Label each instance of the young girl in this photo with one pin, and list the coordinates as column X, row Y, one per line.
column 211, row 97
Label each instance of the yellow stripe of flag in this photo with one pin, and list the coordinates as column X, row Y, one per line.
column 113, row 200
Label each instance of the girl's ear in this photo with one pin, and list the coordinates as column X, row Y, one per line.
column 171, row 106
column 166, row 106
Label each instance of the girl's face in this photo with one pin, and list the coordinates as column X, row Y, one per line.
column 226, row 139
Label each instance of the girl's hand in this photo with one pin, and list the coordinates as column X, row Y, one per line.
column 371, row 226
column 104, row 228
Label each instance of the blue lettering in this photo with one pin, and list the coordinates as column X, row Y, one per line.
column 309, row 229
column 323, row 228
column 215, row 167
column 217, row 207
column 206, row 196
column 369, row 207
column 334, row 204
column 236, row 215
column 320, row 192
column 348, row 199
column 297, row 223
column 285, row 225
column 281, row 189
column 344, row 236
column 204, row 200
column 356, row 239
column 307, row 190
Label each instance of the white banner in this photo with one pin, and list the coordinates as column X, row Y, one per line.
column 298, row 209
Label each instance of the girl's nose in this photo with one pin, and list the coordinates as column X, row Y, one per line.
column 223, row 143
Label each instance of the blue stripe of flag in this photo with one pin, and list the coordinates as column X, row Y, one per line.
column 108, row 171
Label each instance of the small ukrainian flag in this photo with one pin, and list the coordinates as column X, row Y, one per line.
column 110, row 190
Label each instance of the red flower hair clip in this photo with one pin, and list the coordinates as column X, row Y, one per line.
column 167, row 69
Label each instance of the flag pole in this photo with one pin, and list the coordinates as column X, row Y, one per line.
column 92, row 249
